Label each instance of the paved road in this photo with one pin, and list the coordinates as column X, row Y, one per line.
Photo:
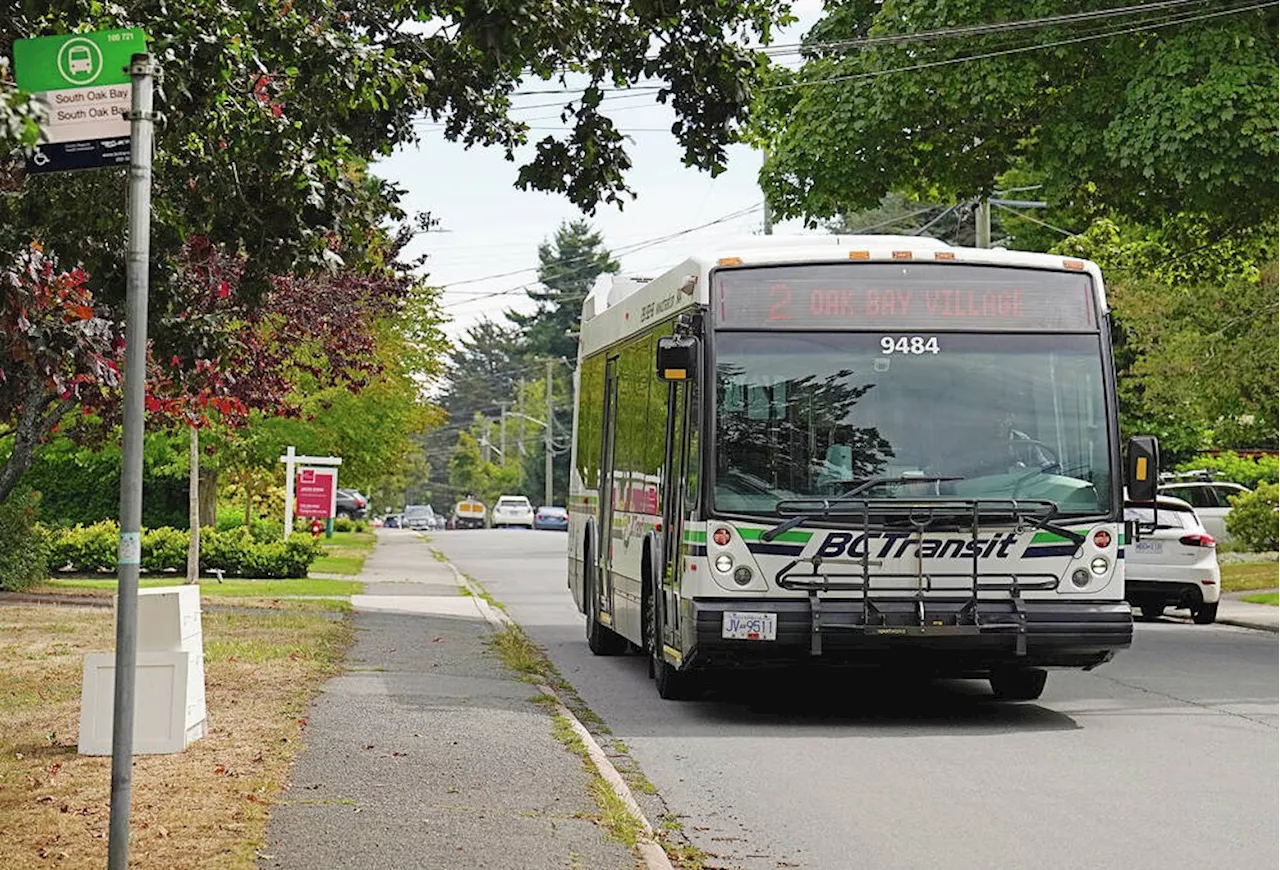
column 1166, row 757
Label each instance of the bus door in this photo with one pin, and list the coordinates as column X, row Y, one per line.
column 608, row 488
column 674, row 506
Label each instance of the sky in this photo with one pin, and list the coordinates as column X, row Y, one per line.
column 489, row 228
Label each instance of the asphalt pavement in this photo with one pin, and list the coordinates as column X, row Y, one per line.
column 427, row 752
column 1166, row 757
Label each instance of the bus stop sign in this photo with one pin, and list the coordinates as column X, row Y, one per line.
column 83, row 81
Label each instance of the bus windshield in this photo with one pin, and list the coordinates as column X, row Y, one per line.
column 976, row 415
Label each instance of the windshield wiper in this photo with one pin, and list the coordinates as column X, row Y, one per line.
column 862, row 486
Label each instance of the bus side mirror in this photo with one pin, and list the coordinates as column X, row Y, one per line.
column 1143, row 468
column 677, row 358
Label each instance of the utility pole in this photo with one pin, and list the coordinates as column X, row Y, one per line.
column 520, row 393
column 768, row 210
column 142, row 71
column 546, row 484
column 484, row 440
column 502, row 432
column 982, row 223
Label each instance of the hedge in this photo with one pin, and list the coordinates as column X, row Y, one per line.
column 24, row 549
column 236, row 552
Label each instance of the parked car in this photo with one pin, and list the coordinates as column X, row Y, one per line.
column 551, row 517
column 351, row 505
column 468, row 514
column 512, row 510
column 392, row 521
column 1209, row 498
column 420, row 517
column 1176, row 565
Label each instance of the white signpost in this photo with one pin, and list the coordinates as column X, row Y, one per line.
column 291, row 461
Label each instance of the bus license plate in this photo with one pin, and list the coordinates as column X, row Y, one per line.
column 750, row 626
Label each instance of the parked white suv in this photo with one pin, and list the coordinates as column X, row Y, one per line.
column 1210, row 500
column 1174, row 566
column 513, row 510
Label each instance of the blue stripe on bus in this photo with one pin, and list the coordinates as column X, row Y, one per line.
column 775, row 549
column 1038, row 552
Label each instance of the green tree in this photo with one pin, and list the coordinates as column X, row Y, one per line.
column 471, row 474
column 568, row 265
column 273, row 120
column 1146, row 112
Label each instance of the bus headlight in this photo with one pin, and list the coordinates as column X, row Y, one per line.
column 742, row 576
column 724, row 563
column 1099, row 566
column 1080, row 578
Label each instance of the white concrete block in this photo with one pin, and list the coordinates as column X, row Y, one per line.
column 169, row 618
column 162, row 710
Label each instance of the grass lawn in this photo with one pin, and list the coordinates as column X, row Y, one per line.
column 211, row 588
column 1241, row 576
column 1272, row 598
column 344, row 553
column 205, row 807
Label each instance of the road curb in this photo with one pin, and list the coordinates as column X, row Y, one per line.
column 654, row 856
column 1241, row 623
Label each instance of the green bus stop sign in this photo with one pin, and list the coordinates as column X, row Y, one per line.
column 76, row 60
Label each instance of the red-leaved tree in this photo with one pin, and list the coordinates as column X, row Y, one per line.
column 57, row 350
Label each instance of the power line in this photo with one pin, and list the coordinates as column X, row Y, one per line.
column 631, row 249
column 1027, row 217
column 971, row 30
column 1172, row 21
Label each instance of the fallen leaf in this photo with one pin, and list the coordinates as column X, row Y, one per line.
column 220, row 770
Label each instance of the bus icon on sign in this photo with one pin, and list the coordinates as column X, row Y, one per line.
column 79, row 61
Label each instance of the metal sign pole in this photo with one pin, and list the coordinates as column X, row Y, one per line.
column 141, row 126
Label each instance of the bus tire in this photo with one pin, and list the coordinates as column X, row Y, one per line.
column 673, row 684
column 1018, row 684
column 602, row 641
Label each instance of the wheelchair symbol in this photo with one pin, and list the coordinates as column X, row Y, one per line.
column 40, row 158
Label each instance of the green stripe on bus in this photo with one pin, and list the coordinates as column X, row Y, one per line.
column 791, row 537
column 696, row 537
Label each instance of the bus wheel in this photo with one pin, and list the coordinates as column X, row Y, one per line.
column 673, row 684
column 1018, row 684
column 601, row 641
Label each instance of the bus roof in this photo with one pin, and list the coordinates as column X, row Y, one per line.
column 687, row 280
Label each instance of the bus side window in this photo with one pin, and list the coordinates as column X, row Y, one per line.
column 691, row 474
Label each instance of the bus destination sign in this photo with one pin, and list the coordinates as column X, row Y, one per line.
column 897, row 296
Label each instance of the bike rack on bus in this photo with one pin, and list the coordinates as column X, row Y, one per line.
column 919, row 516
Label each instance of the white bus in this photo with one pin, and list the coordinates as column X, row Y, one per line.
column 859, row 449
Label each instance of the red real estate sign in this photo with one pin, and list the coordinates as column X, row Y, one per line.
column 317, row 492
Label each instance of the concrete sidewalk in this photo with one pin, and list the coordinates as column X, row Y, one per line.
column 428, row 752
column 1233, row 611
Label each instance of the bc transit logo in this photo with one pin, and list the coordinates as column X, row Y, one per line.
column 896, row 545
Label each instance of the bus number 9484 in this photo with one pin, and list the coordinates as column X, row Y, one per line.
column 915, row 344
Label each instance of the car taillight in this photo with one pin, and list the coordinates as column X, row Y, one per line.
column 1198, row 541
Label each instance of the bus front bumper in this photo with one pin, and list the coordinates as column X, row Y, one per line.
column 953, row 636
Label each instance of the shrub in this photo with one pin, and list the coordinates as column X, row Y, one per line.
column 260, row 529
column 165, row 549
column 361, row 526
column 25, row 551
column 238, row 553
column 1253, row 518
column 86, row 548
column 342, row 524
column 1243, row 470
